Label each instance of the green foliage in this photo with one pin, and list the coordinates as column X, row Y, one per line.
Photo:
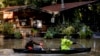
column 35, row 3
column 69, row 30
column 13, row 2
column 50, row 33
column 85, row 31
column 40, row 3
column 8, row 28
column 17, row 34
column 78, row 14
column 34, row 30
column 1, row 28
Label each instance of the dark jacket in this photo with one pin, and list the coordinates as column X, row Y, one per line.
column 30, row 44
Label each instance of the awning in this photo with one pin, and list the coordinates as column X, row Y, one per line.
column 13, row 8
column 57, row 7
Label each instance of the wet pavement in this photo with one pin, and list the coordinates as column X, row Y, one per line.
column 50, row 43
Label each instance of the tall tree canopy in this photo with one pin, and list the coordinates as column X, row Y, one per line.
column 37, row 3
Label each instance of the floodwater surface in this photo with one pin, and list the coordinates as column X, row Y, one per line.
column 50, row 43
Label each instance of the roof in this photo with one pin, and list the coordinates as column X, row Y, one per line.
column 12, row 8
column 57, row 7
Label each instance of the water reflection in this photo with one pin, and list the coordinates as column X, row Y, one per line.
column 52, row 43
column 1, row 40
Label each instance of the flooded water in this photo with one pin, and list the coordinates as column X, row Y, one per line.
column 50, row 43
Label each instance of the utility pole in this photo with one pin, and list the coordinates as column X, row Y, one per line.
column 62, row 4
column 62, row 8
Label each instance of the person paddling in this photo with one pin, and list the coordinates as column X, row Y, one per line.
column 30, row 44
column 66, row 43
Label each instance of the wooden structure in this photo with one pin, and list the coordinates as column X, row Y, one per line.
column 20, row 15
column 26, row 15
column 57, row 7
column 67, row 11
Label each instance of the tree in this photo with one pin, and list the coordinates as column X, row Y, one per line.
column 36, row 3
column 13, row 2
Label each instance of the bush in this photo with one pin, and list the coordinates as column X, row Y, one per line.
column 85, row 31
column 50, row 33
column 68, row 31
column 17, row 35
column 8, row 28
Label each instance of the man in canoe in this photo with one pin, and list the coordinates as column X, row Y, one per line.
column 66, row 43
column 30, row 44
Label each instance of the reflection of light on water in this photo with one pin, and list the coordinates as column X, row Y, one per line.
column 1, row 40
column 14, row 54
column 19, row 54
column 6, row 52
column 49, row 54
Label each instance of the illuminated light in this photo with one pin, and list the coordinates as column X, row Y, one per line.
column 7, row 15
column 39, row 24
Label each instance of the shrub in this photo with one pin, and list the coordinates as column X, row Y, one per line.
column 8, row 28
column 68, row 31
column 85, row 31
column 17, row 34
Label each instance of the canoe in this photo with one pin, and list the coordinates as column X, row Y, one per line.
column 53, row 51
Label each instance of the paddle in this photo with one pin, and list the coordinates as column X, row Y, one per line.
column 74, row 42
column 79, row 44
